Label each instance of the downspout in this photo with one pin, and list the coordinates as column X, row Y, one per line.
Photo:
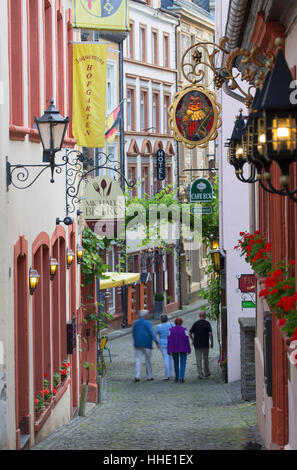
column 177, row 173
column 122, row 166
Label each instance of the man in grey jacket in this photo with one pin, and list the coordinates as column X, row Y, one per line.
column 143, row 336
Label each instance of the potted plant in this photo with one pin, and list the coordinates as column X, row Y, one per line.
column 39, row 404
column 65, row 370
column 159, row 305
column 56, row 379
column 223, row 365
column 84, row 389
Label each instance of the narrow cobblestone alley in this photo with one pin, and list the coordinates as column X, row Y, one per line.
column 197, row 415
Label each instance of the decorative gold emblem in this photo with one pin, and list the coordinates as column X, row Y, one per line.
column 194, row 116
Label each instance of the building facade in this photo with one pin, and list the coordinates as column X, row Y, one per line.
column 149, row 84
column 196, row 24
column 36, row 65
column 259, row 24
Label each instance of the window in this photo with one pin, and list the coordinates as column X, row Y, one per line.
column 166, row 103
column 132, row 177
column 130, row 108
column 143, row 111
column 33, row 61
column 130, row 42
column 142, row 43
column 15, row 42
column 166, row 50
column 48, row 54
column 60, row 62
column 144, row 180
column 111, row 93
column 112, row 150
column 155, row 112
column 154, row 47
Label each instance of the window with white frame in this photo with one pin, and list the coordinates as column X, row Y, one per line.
column 111, row 90
column 112, row 152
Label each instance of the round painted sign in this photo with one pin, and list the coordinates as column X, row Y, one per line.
column 194, row 116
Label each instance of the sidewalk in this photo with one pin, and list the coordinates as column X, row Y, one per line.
column 206, row 414
column 195, row 306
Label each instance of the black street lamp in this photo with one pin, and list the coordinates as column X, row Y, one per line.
column 271, row 131
column 52, row 129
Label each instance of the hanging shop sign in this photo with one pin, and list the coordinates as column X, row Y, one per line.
column 247, row 283
column 199, row 209
column 104, row 205
column 201, row 191
column 109, row 15
column 161, row 164
column 194, row 116
column 89, row 94
column 248, row 304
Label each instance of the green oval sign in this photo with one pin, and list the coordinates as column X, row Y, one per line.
column 201, row 191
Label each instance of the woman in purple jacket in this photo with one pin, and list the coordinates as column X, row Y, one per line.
column 179, row 347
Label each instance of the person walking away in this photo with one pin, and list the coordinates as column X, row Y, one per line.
column 179, row 347
column 162, row 332
column 200, row 334
column 143, row 337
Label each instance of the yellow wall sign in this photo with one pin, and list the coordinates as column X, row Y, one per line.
column 110, row 15
column 89, row 94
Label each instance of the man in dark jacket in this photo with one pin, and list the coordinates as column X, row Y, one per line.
column 143, row 336
column 200, row 334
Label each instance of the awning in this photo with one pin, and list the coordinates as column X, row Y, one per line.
column 118, row 279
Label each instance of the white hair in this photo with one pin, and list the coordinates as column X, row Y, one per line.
column 142, row 313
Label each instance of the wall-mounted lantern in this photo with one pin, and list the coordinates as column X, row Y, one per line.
column 33, row 280
column 53, row 263
column 79, row 253
column 69, row 257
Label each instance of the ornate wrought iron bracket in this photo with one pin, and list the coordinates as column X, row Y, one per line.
column 78, row 167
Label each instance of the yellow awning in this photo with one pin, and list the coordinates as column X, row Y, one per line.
column 118, row 279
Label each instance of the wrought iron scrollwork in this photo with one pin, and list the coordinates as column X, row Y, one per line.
column 256, row 64
column 78, row 167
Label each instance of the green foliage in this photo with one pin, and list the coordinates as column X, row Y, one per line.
column 159, row 297
column 92, row 265
column 212, row 293
column 210, row 222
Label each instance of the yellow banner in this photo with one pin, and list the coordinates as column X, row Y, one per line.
column 89, row 94
column 109, row 15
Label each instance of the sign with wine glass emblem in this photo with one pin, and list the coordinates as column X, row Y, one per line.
column 103, row 205
column 201, row 191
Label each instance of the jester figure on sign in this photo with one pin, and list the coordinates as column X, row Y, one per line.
column 194, row 116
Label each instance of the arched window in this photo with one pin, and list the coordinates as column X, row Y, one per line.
column 41, row 313
column 59, row 348
column 21, row 330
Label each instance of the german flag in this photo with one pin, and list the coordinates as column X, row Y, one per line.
column 112, row 122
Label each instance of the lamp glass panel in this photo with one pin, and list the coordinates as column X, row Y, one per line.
column 239, row 151
column 261, row 136
column 45, row 135
column 58, row 131
column 283, row 134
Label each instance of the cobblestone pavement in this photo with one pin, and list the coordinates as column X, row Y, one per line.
column 195, row 415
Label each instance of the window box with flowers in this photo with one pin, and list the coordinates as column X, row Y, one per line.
column 256, row 250
column 278, row 285
column 64, row 371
